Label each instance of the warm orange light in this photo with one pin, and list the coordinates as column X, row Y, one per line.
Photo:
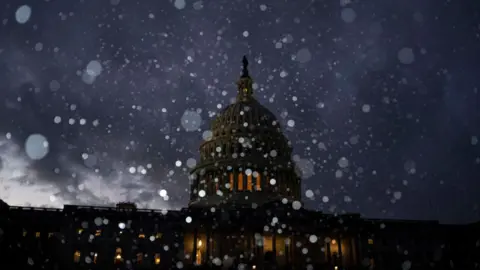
column 98, row 233
column 141, row 235
column 200, row 243
column 334, row 242
column 249, row 182
column 370, row 241
column 259, row 183
column 37, row 235
column 240, row 181
column 76, row 256
column 157, row 258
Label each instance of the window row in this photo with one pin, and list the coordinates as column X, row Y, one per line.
column 118, row 258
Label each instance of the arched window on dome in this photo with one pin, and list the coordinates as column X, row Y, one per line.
column 231, row 181
column 240, row 181
column 249, row 182
column 258, row 184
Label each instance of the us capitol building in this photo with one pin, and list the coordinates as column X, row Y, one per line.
column 244, row 213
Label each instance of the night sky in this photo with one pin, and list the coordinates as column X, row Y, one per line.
column 107, row 101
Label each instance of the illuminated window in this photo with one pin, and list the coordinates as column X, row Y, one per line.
column 370, row 241
column 24, row 233
column 37, row 235
column 259, row 183
column 80, row 231
column 159, row 235
column 118, row 256
column 240, row 181
column 231, row 181
column 157, row 258
column 199, row 256
column 249, row 182
column 139, row 257
column 141, row 235
column 334, row 242
column 98, row 233
column 76, row 256
column 95, row 258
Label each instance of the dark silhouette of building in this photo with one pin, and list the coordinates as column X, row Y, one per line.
column 244, row 213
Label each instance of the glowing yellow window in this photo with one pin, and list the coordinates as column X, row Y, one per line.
column 259, row 182
column 249, row 182
column 80, row 231
column 240, row 181
column 141, row 235
column 118, row 256
column 157, row 258
column 159, row 235
column 98, row 233
column 76, row 256
column 231, row 181
column 24, row 233
column 370, row 241
column 37, row 235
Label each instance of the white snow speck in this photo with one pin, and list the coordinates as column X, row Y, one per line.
column 273, row 181
column 343, row 162
column 191, row 120
column 397, row 195
column 366, row 108
column 202, row 193
column 263, row 7
column 180, row 4
column 38, row 47
column 303, row 56
column 54, row 85
column 283, row 74
column 348, row 15
column 291, row 123
column 57, row 119
column 178, row 163
column 94, row 68
column 246, row 34
column 36, row 146
column 325, row 199
column 191, row 163
column 296, row 205
column 207, row 135
column 309, row 194
column 188, row 220
column 23, row 13
column 313, row 239
column 406, row 56
column 162, row 193
column 406, row 265
column 198, row 5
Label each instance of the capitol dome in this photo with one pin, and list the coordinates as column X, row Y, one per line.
column 247, row 159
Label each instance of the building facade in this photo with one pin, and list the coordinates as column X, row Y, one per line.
column 244, row 213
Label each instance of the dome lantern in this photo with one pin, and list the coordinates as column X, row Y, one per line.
column 245, row 83
column 245, row 155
